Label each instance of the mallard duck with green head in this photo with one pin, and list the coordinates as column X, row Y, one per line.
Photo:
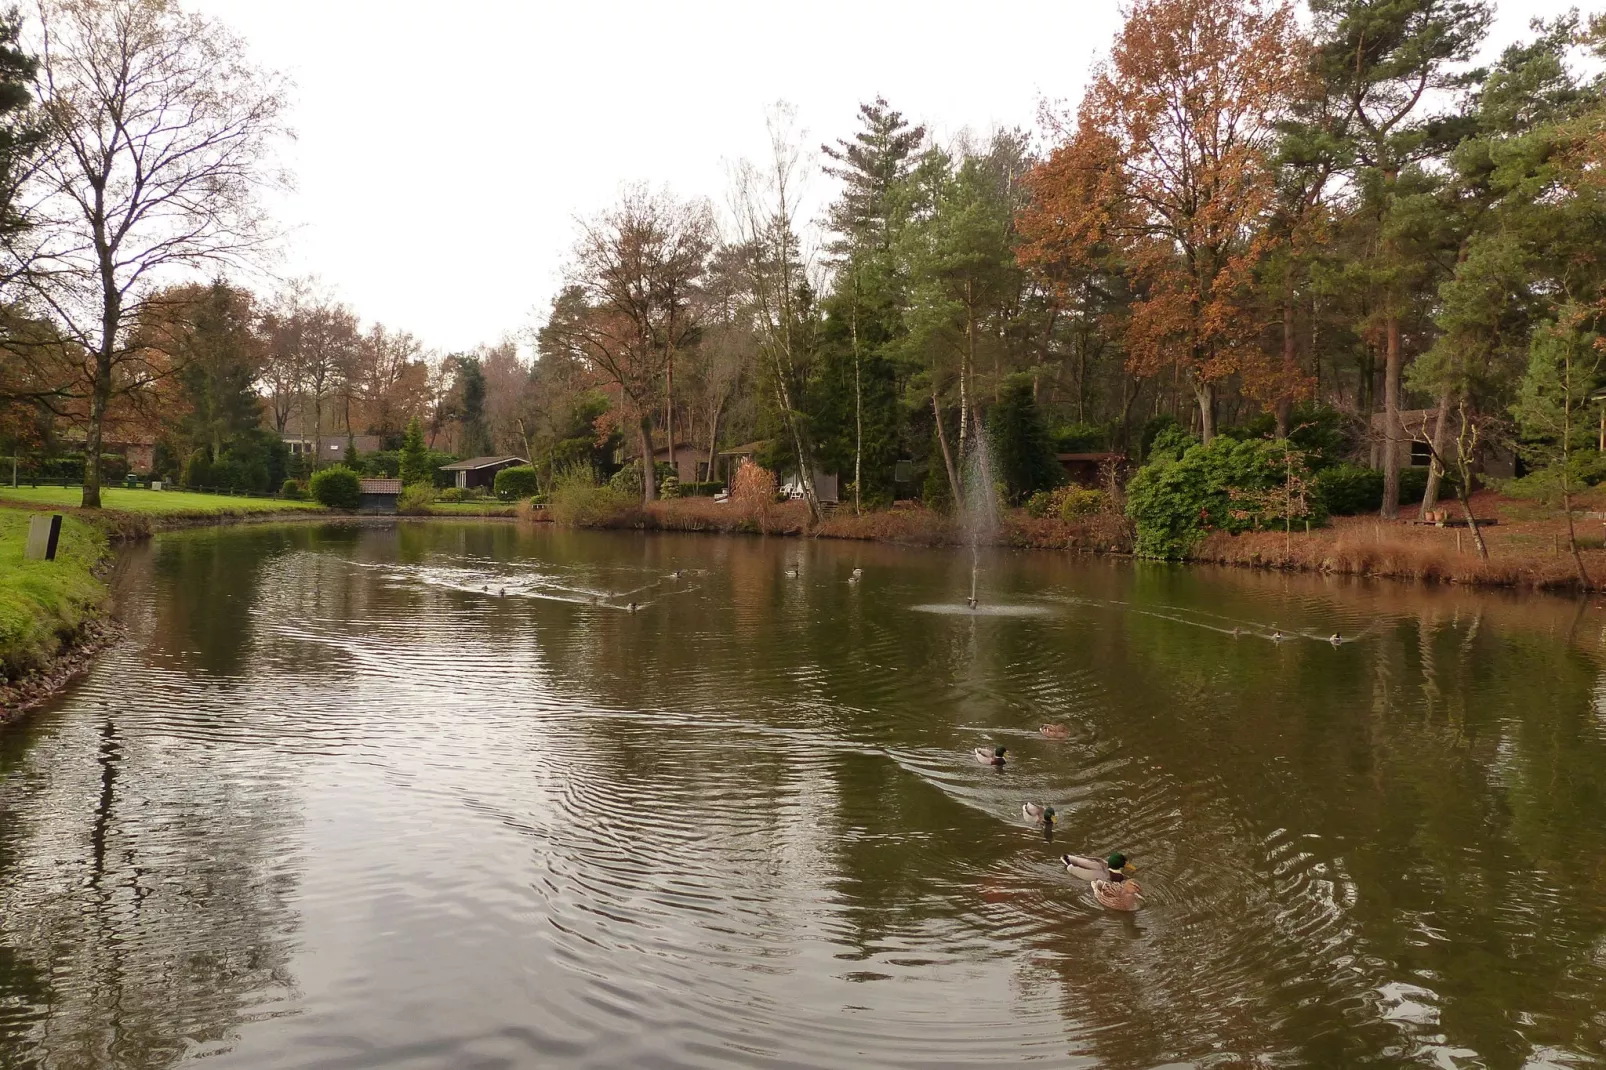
column 1038, row 814
column 993, row 757
column 1110, row 879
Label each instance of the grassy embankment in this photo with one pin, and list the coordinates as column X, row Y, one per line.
column 156, row 504
column 44, row 605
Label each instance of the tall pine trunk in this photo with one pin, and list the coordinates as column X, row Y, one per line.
column 649, row 478
column 1391, row 419
column 947, row 456
column 1441, row 427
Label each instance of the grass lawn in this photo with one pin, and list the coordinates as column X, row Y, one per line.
column 155, row 502
column 42, row 603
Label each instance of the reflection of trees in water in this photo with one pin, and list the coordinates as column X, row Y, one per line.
column 1444, row 781
column 152, row 898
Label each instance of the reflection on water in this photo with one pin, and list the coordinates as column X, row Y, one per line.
column 432, row 796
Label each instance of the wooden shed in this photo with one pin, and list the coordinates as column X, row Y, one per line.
column 378, row 495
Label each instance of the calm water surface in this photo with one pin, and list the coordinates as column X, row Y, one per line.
column 428, row 796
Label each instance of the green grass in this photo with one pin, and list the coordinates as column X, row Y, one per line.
column 44, row 603
column 155, row 503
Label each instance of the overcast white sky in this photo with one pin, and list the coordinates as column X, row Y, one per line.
column 443, row 150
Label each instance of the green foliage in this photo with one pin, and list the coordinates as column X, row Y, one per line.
column 627, row 480
column 669, row 487
column 1077, row 502
column 415, row 499
column 577, row 500
column 706, row 489
column 292, row 490
column 1229, row 485
column 1169, row 442
column 1023, row 456
column 519, row 481
column 1349, row 489
column 1079, row 438
column 198, row 469
column 336, row 487
column 414, row 461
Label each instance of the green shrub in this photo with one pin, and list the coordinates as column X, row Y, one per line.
column 1080, row 438
column 669, row 487
column 1023, row 455
column 519, row 481
column 416, row 499
column 198, row 469
column 1228, row 485
column 1040, row 505
column 293, row 490
column 1349, row 489
column 627, row 480
column 336, row 487
column 1079, row 502
column 706, row 489
column 576, row 499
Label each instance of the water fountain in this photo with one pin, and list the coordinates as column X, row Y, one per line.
column 978, row 519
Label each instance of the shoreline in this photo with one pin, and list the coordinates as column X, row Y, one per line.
column 1402, row 555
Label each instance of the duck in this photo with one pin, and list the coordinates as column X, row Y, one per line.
column 972, row 602
column 791, row 573
column 994, row 757
column 501, row 592
column 1055, row 731
column 858, row 572
column 1037, row 814
column 631, row 608
column 853, row 579
column 1277, row 636
column 1335, row 639
column 1110, row 879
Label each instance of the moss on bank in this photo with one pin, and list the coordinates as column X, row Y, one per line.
column 44, row 605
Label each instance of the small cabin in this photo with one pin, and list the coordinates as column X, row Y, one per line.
column 1087, row 469
column 480, row 472
column 378, row 495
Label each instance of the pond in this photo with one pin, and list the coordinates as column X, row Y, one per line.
column 431, row 795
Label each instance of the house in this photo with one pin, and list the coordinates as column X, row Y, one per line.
column 1086, row 469
column 1417, row 426
column 728, row 461
column 825, row 487
column 378, row 495
column 480, row 471
column 691, row 463
column 331, row 448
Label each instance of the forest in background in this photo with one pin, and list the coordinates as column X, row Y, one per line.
column 1260, row 225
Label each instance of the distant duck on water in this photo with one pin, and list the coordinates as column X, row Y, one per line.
column 1055, row 731
column 1038, row 814
column 1110, row 879
column 632, row 608
column 858, row 572
column 994, row 757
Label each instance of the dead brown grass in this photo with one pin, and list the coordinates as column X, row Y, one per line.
column 1365, row 546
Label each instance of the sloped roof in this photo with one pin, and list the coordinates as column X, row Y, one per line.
column 744, row 450
column 379, row 486
column 481, row 462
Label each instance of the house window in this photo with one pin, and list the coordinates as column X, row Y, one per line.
column 1421, row 455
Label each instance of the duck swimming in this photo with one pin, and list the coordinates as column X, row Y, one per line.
column 1110, row 879
column 1335, row 639
column 791, row 573
column 858, row 572
column 994, row 757
column 631, row 608
column 1055, row 731
column 1038, row 814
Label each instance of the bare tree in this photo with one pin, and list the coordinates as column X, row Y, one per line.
column 629, row 306
column 765, row 202
column 161, row 128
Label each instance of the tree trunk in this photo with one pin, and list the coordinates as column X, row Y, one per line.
column 649, row 478
column 1285, row 403
column 1206, row 394
column 858, row 413
column 1441, row 426
column 1572, row 534
column 713, row 443
column 1391, row 420
column 947, row 457
column 669, row 408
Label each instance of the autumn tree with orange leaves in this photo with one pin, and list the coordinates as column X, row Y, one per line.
column 1167, row 180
